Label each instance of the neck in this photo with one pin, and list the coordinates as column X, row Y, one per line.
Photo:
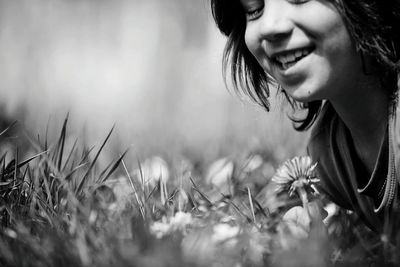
column 365, row 113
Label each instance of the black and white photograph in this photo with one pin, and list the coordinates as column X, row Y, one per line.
column 222, row 133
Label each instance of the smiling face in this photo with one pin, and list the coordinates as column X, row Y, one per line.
column 304, row 45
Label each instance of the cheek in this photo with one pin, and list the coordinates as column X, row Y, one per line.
column 253, row 44
column 341, row 52
column 250, row 41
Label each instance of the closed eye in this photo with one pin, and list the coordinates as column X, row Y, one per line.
column 252, row 8
column 253, row 13
column 298, row 2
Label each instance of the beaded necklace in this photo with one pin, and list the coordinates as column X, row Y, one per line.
column 389, row 186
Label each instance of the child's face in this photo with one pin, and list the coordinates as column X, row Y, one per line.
column 304, row 45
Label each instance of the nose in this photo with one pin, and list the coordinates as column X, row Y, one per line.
column 276, row 24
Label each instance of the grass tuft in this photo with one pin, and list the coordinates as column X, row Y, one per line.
column 60, row 207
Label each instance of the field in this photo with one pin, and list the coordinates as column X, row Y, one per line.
column 61, row 207
column 189, row 175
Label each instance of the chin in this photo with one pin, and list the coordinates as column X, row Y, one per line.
column 307, row 92
column 302, row 96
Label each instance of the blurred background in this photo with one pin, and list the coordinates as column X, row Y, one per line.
column 151, row 67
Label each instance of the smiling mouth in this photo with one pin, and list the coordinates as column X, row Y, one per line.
column 287, row 59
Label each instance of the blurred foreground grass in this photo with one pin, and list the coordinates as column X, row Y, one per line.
column 60, row 207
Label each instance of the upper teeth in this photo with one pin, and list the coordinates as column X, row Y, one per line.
column 292, row 56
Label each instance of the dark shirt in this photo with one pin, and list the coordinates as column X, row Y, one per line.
column 344, row 178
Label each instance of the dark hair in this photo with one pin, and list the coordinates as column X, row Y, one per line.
column 374, row 26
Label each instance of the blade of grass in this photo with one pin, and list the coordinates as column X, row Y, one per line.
column 8, row 128
column 68, row 176
column 46, row 145
column 196, row 188
column 140, row 203
column 85, row 154
column 152, row 191
column 162, row 192
column 47, row 190
column 61, row 143
column 9, row 168
column 251, row 205
column 21, row 187
column 114, row 167
column 31, row 158
column 15, row 166
column 3, row 163
column 238, row 210
column 261, row 209
column 266, row 213
column 70, row 154
column 5, row 183
column 99, row 177
column 83, row 180
column 142, row 181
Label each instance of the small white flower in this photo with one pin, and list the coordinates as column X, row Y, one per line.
column 298, row 222
column 160, row 228
column 11, row 233
column 179, row 222
column 153, row 170
column 253, row 162
column 182, row 199
column 223, row 232
column 93, row 217
column 332, row 209
column 220, row 174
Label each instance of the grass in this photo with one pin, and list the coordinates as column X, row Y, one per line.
column 60, row 207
